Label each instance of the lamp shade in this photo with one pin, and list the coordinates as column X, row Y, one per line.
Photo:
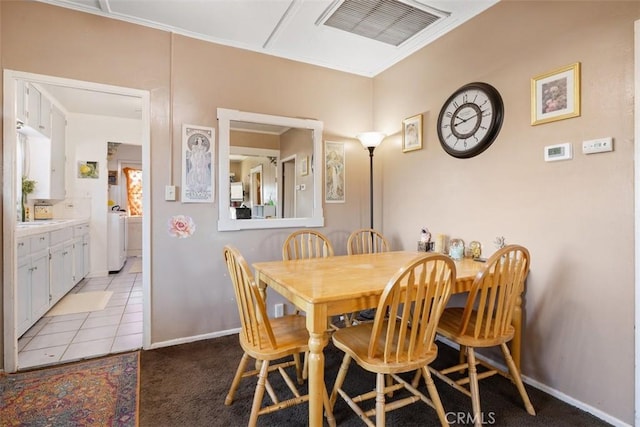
column 371, row 139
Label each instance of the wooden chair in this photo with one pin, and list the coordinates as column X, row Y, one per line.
column 366, row 241
column 401, row 342
column 305, row 244
column 485, row 321
column 266, row 340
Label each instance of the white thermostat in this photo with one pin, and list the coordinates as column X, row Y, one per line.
column 557, row 152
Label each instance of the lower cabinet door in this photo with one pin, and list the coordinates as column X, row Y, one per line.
column 39, row 284
column 61, row 271
column 24, row 296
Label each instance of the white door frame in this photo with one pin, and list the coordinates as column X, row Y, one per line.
column 636, row 179
column 9, row 195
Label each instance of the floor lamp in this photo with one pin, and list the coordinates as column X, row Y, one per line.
column 370, row 140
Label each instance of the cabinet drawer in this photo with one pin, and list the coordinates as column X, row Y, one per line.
column 62, row 235
column 23, row 248
column 39, row 242
column 80, row 230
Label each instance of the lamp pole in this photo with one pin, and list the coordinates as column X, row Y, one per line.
column 371, row 183
column 370, row 140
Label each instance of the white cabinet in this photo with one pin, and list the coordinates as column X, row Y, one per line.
column 81, row 260
column 33, row 280
column 39, row 111
column 21, row 101
column 61, row 270
column 47, row 159
column 50, row 264
column 24, row 295
column 39, row 285
column 61, row 263
column 58, row 140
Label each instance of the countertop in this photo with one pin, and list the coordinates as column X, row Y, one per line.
column 24, row 229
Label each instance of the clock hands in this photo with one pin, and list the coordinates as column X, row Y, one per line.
column 477, row 112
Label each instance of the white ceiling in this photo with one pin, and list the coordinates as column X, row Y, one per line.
column 282, row 28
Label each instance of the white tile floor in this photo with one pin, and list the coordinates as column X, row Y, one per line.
column 115, row 329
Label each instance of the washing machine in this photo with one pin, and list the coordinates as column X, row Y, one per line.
column 116, row 240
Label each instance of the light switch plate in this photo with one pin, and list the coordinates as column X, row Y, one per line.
column 170, row 193
column 600, row 145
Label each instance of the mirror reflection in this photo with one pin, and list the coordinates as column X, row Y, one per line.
column 267, row 177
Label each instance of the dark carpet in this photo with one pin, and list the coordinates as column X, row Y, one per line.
column 187, row 384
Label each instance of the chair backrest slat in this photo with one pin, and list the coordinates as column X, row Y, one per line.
column 305, row 244
column 414, row 299
column 495, row 292
column 256, row 328
column 366, row 241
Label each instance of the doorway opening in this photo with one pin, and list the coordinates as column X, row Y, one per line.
column 86, row 197
column 289, row 187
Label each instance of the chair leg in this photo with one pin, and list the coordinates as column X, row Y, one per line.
column 299, row 374
column 380, row 412
column 416, row 379
column 242, row 366
column 435, row 397
column 389, row 383
column 515, row 375
column 257, row 397
column 328, row 411
column 342, row 373
column 462, row 359
column 473, row 384
column 305, row 366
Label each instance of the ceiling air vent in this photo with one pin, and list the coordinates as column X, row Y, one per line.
column 388, row 21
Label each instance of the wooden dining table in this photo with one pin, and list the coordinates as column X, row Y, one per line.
column 324, row 287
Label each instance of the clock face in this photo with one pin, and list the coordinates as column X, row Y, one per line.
column 470, row 120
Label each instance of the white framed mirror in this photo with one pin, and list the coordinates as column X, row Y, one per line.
column 260, row 142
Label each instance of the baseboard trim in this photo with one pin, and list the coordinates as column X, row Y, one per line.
column 192, row 338
column 549, row 390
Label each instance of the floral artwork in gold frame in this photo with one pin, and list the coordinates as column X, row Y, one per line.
column 556, row 95
column 412, row 133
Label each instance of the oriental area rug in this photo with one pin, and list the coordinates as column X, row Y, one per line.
column 101, row 392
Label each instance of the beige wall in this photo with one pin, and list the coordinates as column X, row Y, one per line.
column 576, row 217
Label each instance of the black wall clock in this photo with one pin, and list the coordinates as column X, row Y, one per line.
column 470, row 120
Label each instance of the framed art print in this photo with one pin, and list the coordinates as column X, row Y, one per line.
column 556, row 95
column 412, row 133
column 334, row 177
column 88, row 169
column 198, row 152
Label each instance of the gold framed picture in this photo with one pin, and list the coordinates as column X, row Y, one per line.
column 412, row 133
column 556, row 95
